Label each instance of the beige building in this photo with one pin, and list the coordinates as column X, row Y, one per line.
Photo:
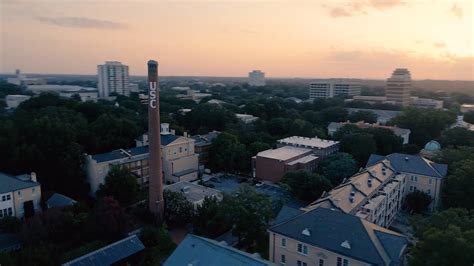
column 422, row 174
column 329, row 88
column 323, row 236
column 19, row 195
column 399, row 87
column 374, row 194
column 180, row 163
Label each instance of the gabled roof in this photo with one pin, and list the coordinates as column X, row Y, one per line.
column 118, row 154
column 408, row 163
column 10, row 183
column 328, row 229
column 59, row 200
column 110, row 254
column 286, row 213
column 195, row 250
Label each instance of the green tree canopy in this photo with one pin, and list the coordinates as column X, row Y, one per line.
column 459, row 186
column 306, row 186
column 120, row 184
column 360, row 146
column 178, row 210
column 228, row 154
column 338, row 166
column 469, row 117
column 417, row 201
column 425, row 124
column 457, row 137
column 366, row 116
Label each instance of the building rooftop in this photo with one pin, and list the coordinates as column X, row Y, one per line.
column 304, row 160
column 361, row 124
column 10, row 183
column 59, row 200
column 411, row 164
column 344, row 234
column 193, row 192
column 195, row 250
column 132, row 152
column 432, row 146
column 383, row 116
column 203, row 140
column 284, row 153
column 308, row 142
column 110, row 254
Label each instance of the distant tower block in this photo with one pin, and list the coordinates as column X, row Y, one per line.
column 156, row 203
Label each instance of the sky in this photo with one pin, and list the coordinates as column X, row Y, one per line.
column 285, row 38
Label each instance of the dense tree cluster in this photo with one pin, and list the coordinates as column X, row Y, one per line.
column 120, row 184
column 305, row 186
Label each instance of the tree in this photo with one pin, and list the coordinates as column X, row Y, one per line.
column 209, row 220
column 469, row 117
column 456, row 137
column 425, row 124
column 452, row 155
column 257, row 146
column 366, row 116
column 410, row 149
column 360, row 146
column 6, row 259
column 112, row 133
column 385, row 140
column 334, row 114
column 306, row 186
column 418, row 201
column 121, row 184
column 228, row 154
column 459, row 186
column 10, row 224
column 210, row 116
column 111, row 219
column 44, row 255
column 338, row 166
column 158, row 243
column 445, row 238
column 249, row 212
column 178, row 210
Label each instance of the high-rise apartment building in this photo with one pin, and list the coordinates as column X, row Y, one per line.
column 399, row 87
column 113, row 78
column 330, row 88
column 257, row 78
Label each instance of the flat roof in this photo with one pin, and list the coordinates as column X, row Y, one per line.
column 308, row 142
column 305, row 159
column 192, row 192
column 284, row 153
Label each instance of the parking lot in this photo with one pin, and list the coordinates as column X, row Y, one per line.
column 230, row 183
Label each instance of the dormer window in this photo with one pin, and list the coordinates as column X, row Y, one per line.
column 346, row 244
column 306, row 232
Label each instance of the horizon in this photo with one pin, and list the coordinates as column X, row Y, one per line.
column 297, row 39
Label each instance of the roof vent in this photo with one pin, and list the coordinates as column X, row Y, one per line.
column 185, row 189
column 351, row 199
column 306, row 232
column 346, row 244
column 353, row 193
column 369, row 182
column 406, row 158
column 33, row 176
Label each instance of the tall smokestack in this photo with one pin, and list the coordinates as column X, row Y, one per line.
column 155, row 203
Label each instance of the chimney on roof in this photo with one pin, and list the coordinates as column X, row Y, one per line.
column 33, row 177
column 369, row 182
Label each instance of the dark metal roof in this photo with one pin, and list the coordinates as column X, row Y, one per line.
column 110, row 254
column 392, row 244
column 330, row 228
column 411, row 164
column 10, row 242
column 286, row 213
column 59, row 200
column 203, row 140
column 10, row 183
column 195, row 250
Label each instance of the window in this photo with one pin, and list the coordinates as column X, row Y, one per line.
column 428, row 191
column 303, row 249
column 339, row 261
column 4, row 198
column 19, row 194
column 321, row 262
column 301, row 263
column 33, row 190
column 414, row 178
column 180, row 149
column 283, row 259
column 429, row 181
column 345, row 262
column 283, row 242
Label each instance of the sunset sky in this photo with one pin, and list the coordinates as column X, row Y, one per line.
column 288, row 38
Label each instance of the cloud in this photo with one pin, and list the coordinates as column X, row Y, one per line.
column 439, row 44
column 82, row 22
column 380, row 63
column 340, row 12
column 355, row 7
column 456, row 11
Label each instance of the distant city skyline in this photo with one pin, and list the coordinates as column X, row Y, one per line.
column 348, row 38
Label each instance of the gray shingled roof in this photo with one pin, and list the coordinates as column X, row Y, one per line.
column 392, row 244
column 286, row 213
column 110, row 254
column 330, row 228
column 59, row 200
column 411, row 164
column 10, row 183
column 195, row 250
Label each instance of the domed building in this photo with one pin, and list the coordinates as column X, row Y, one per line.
column 431, row 149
